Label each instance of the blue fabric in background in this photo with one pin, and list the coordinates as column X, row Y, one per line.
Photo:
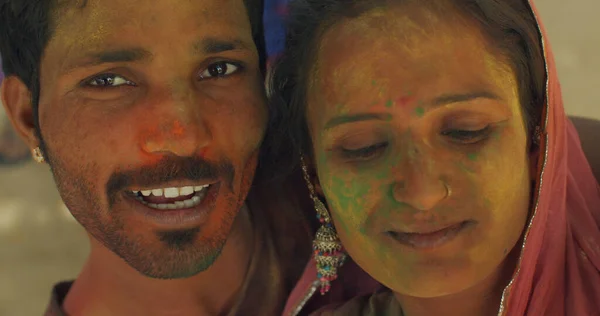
column 275, row 11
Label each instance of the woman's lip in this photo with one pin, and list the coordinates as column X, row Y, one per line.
column 429, row 240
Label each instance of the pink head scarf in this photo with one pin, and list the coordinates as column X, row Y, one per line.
column 559, row 269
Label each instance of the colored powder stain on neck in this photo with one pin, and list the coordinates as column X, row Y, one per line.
column 373, row 83
column 472, row 156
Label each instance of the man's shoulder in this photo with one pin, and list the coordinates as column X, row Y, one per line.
column 59, row 292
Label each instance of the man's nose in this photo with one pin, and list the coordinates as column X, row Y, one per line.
column 176, row 126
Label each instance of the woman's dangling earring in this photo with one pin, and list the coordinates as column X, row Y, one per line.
column 328, row 251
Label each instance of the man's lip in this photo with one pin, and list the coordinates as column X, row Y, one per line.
column 429, row 238
column 173, row 184
column 177, row 218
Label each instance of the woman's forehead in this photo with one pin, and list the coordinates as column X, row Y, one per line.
column 348, row 60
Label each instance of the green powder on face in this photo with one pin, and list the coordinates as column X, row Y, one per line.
column 389, row 103
column 472, row 156
column 465, row 168
column 496, row 135
column 487, row 203
column 419, row 111
column 373, row 83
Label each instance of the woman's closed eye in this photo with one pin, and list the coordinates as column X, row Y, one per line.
column 467, row 136
column 364, row 153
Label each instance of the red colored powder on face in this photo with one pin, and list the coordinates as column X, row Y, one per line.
column 405, row 100
column 178, row 129
column 150, row 140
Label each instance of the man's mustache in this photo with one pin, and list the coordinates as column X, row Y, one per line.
column 169, row 169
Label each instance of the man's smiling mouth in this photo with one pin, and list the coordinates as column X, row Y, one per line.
column 173, row 198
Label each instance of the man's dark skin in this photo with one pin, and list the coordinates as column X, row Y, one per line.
column 141, row 95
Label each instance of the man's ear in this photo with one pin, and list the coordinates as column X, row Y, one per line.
column 16, row 98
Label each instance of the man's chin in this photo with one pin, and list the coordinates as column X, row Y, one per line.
column 174, row 265
column 171, row 255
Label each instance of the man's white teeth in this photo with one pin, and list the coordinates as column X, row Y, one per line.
column 172, row 192
column 191, row 202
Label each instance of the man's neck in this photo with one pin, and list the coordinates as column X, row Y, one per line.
column 108, row 286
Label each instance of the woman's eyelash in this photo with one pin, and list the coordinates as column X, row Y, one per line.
column 467, row 136
column 365, row 152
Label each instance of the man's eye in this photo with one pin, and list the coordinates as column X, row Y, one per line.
column 108, row 81
column 467, row 136
column 365, row 153
column 220, row 69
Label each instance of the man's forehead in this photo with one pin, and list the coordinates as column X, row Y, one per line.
column 95, row 20
column 98, row 25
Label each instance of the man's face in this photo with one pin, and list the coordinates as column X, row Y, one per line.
column 152, row 113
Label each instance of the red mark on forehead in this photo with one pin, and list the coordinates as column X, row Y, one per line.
column 405, row 100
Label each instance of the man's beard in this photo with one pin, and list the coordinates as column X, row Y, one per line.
column 162, row 254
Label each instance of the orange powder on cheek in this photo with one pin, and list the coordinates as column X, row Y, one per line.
column 178, row 129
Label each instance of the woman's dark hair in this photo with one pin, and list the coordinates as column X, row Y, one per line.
column 509, row 26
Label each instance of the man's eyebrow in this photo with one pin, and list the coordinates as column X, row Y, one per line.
column 207, row 46
column 211, row 45
column 111, row 56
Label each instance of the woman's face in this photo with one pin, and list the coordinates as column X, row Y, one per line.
column 420, row 148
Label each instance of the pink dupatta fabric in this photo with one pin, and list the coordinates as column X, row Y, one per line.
column 559, row 269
